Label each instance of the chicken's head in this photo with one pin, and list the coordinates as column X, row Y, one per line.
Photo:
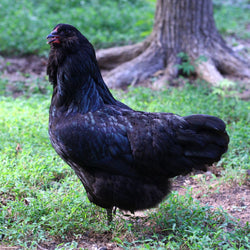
column 63, row 35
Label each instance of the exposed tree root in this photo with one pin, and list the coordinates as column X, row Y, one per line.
column 169, row 73
column 136, row 70
column 110, row 58
column 184, row 26
column 231, row 64
column 208, row 72
column 134, row 63
column 221, row 62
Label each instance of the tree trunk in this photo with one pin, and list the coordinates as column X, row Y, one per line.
column 180, row 26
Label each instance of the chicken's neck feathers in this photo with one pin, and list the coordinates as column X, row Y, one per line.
column 77, row 83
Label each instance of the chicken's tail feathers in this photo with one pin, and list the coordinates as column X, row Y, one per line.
column 204, row 140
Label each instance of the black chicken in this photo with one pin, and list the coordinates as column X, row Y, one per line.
column 123, row 157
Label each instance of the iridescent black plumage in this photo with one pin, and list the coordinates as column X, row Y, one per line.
column 123, row 157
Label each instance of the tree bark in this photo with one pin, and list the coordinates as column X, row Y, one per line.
column 180, row 26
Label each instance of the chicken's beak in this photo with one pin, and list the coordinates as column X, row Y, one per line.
column 53, row 37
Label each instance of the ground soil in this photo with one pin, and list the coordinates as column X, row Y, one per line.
column 210, row 189
column 207, row 187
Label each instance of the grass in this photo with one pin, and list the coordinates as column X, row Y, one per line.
column 25, row 24
column 42, row 201
column 181, row 223
column 232, row 19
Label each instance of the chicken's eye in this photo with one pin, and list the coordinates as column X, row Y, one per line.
column 66, row 32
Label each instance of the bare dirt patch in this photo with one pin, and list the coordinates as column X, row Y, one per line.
column 32, row 64
column 210, row 189
column 21, row 72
